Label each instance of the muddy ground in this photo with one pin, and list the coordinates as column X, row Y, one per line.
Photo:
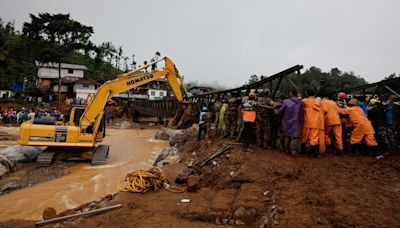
column 265, row 188
column 261, row 188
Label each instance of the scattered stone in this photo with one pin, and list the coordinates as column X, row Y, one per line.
column 248, row 216
column 280, row 210
column 193, row 183
column 49, row 213
column 93, row 205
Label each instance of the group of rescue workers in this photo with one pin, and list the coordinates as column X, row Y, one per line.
column 311, row 125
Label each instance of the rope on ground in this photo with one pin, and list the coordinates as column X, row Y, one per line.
column 142, row 181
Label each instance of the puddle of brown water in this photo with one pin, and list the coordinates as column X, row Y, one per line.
column 130, row 149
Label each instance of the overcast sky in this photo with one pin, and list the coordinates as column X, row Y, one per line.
column 227, row 41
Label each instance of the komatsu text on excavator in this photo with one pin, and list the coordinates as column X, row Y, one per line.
column 83, row 132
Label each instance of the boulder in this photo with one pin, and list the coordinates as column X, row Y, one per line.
column 3, row 171
column 19, row 153
column 7, row 163
column 161, row 134
column 49, row 213
column 166, row 155
column 177, row 136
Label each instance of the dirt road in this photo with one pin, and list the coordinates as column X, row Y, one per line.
column 130, row 149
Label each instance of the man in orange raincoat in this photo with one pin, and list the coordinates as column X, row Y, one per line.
column 333, row 123
column 362, row 128
column 314, row 125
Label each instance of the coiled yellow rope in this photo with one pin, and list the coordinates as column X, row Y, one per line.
column 142, row 181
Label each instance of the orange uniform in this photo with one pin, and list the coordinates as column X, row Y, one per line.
column 332, row 123
column 314, row 123
column 361, row 126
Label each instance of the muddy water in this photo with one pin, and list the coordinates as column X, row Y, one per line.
column 130, row 149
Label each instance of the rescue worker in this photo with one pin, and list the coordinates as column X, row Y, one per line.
column 396, row 120
column 342, row 103
column 263, row 130
column 362, row 128
column 222, row 125
column 249, row 117
column 232, row 115
column 314, row 125
column 203, row 124
column 390, row 128
column 217, row 107
column 377, row 118
column 292, row 112
column 333, row 125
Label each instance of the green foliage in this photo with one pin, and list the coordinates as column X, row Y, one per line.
column 51, row 38
column 334, row 81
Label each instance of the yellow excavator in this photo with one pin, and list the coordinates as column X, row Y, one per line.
column 86, row 126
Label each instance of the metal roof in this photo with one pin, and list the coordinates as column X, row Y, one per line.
column 63, row 65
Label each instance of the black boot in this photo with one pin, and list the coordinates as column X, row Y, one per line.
column 313, row 151
column 355, row 149
column 303, row 149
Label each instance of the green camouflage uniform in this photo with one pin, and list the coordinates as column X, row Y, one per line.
column 232, row 116
column 263, row 122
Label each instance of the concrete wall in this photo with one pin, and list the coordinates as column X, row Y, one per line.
column 156, row 94
column 82, row 91
column 45, row 72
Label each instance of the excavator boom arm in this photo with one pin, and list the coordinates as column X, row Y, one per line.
column 129, row 81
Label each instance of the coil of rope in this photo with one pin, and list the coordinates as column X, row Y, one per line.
column 142, row 181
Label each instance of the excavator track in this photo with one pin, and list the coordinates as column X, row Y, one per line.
column 45, row 159
column 100, row 155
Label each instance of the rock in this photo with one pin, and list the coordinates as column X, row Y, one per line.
column 246, row 215
column 49, row 213
column 11, row 186
column 67, row 212
column 93, row 205
column 109, row 197
column 280, row 210
column 103, row 204
column 193, row 183
column 3, row 171
column 249, row 173
column 9, row 165
column 161, row 134
column 166, row 155
column 19, row 153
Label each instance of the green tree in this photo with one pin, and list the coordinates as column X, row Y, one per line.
column 54, row 36
column 253, row 78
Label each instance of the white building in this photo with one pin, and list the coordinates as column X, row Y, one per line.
column 6, row 93
column 156, row 94
column 84, row 87
column 48, row 73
